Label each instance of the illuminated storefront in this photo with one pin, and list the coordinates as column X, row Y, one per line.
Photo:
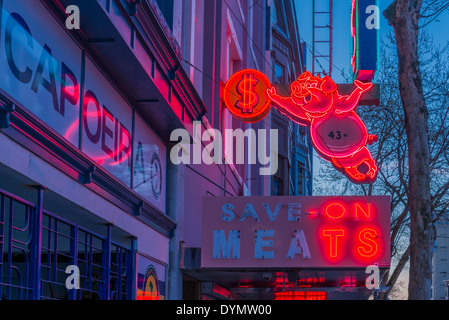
column 295, row 247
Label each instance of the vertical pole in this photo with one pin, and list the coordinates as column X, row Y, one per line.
column 331, row 31
column 74, row 254
column 132, row 266
column 10, row 237
column 80, row 116
column 175, row 210
column 2, row 220
column 133, row 130
column 36, row 246
column 313, row 37
column 107, row 264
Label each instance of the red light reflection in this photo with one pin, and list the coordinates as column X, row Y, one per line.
column 107, row 126
column 300, row 295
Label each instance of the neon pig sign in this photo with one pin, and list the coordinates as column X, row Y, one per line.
column 337, row 133
column 285, row 231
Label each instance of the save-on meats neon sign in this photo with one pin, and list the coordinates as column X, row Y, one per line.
column 337, row 133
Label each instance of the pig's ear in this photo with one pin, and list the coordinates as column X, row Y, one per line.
column 328, row 85
column 304, row 76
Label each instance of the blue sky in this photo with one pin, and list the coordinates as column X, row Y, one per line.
column 342, row 36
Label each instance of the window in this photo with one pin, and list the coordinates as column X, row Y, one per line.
column 15, row 247
column 99, row 262
column 278, row 179
column 280, row 16
column 166, row 7
column 120, row 261
column 91, row 259
column 56, row 255
column 279, row 74
column 300, row 186
column 277, row 186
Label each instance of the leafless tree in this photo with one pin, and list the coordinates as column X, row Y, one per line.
column 405, row 17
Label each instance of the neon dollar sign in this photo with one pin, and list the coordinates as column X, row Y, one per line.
column 249, row 98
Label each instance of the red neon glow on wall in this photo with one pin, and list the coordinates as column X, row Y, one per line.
column 99, row 124
column 144, row 296
column 337, row 133
column 300, row 295
column 71, row 129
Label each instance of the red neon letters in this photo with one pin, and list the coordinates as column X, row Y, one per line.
column 100, row 126
column 366, row 243
column 103, row 128
column 366, row 239
column 334, row 243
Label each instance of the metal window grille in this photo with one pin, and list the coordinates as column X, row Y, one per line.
column 119, row 272
column 105, row 267
column 56, row 255
column 90, row 260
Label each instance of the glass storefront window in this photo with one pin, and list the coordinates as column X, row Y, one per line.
column 99, row 259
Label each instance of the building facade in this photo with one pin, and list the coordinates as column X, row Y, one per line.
column 221, row 38
column 87, row 116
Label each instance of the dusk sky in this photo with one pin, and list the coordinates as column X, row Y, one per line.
column 342, row 36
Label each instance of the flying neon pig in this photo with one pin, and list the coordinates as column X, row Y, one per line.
column 337, row 133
